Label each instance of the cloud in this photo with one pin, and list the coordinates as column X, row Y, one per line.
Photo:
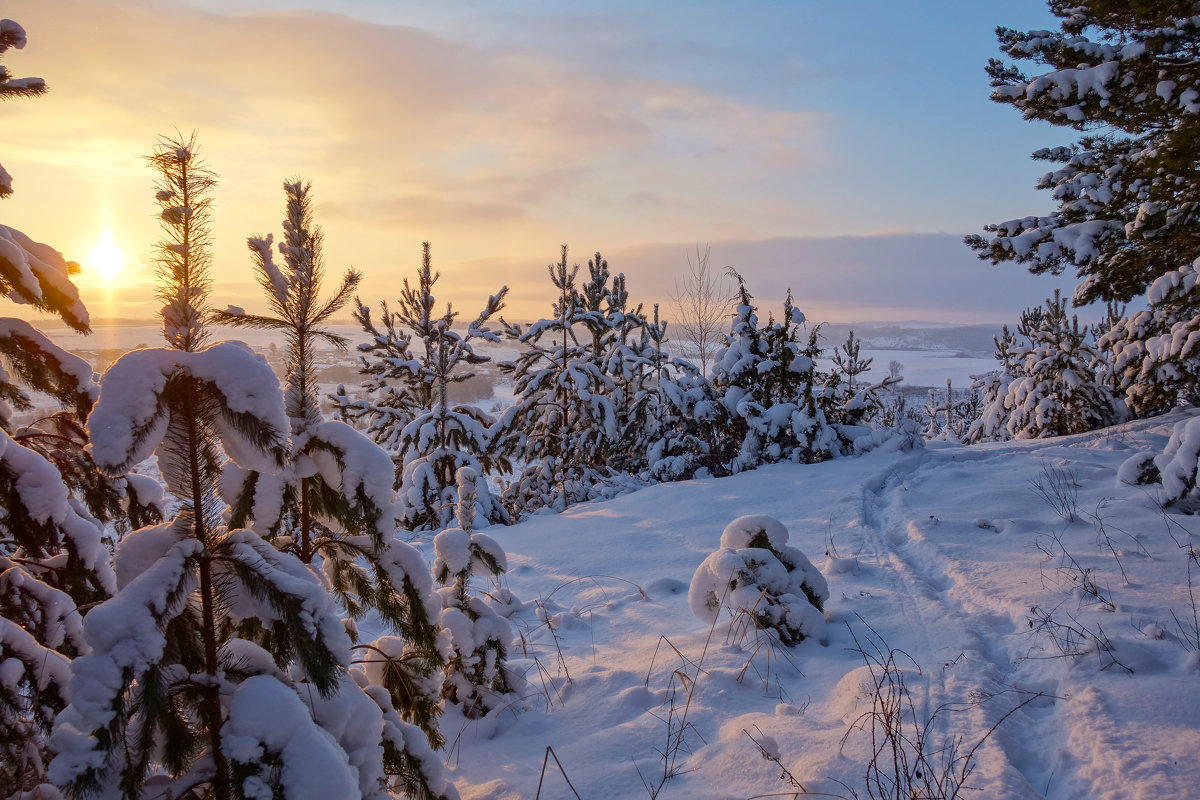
column 489, row 150
column 931, row 277
column 495, row 151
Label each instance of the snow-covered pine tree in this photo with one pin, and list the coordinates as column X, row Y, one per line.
column 477, row 677
column 1058, row 392
column 1127, row 194
column 860, row 403
column 563, row 420
column 949, row 418
column 292, row 505
column 847, row 358
column 331, row 505
column 52, row 555
column 990, row 424
column 1155, row 352
column 771, row 402
column 677, row 437
column 738, row 388
column 1050, row 380
column 169, row 694
column 623, row 348
column 410, row 412
column 814, row 422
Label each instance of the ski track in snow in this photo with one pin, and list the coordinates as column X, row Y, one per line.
column 938, row 556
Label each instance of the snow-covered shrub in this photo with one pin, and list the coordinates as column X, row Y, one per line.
column 1177, row 466
column 476, row 637
column 904, row 435
column 758, row 573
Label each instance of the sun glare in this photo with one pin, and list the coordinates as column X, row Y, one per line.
column 106, row 259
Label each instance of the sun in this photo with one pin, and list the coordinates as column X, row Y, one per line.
column 106, row 258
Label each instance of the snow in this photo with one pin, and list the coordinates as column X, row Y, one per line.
column 12, row 35
column 126, row 635
column 365, row 467
column 36, row 270
column 129, row 420
column 70, row 364
column 942, row 551
column 267, row 716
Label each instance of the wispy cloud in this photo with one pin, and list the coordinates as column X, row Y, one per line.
column 407, row 136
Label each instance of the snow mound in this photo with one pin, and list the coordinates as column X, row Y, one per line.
column 756, row 573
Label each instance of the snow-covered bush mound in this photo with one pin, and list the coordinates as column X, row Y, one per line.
column 757, row 573
column 1178, row 464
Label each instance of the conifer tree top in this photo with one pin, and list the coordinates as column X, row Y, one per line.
column 1123, row 73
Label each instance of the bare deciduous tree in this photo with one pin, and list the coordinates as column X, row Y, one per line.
column 702, row 303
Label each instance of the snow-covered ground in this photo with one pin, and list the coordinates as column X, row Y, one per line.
column 950, row 556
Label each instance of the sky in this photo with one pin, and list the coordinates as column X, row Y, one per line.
column 839, row 150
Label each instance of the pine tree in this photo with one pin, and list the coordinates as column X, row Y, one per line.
column 949, row 419
column 1127, row 193
column 564, row 422
column 53, row 559
column 1052, row 381
column 678, row 414
column 990, row 424
column 623, row 349
column 772, row 403
column 300, row 315
column 1155, row 352
column 410, row 413
column 331, row 506
column 477, row 678
column 166, row 673
column 859, row 405
column 737, row 387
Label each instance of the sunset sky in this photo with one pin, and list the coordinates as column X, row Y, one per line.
column 839, row 149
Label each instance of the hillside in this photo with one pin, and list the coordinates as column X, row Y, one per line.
column 949, row 556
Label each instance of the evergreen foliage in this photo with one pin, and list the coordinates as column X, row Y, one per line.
column 1052, row 381
column 411, row 363
column 1127, row 194
column 1156, row 351
column 53, row 502
column 150, row 688
column 861, row 404
column 331, row 505
column 476, row 678
column 771, row 402
column 569, row 413
column 677, row 440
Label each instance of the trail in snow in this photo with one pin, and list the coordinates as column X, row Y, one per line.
column 938, row 553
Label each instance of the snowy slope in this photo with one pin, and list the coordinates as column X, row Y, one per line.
column 949, row 554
